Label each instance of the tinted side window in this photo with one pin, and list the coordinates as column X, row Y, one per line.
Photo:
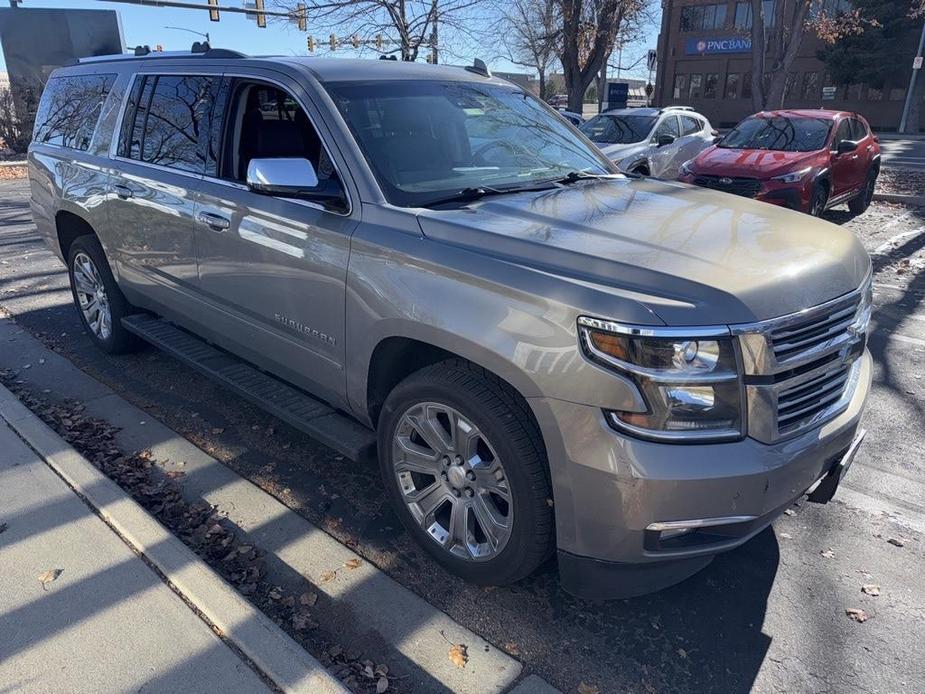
column 70, row 109
column 858, row 130
column 170, row 121
column 690, row 125
column 669, row 126
column 843, row 132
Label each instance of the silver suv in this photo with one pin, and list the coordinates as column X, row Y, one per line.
column 650, row 141
column 549, row 357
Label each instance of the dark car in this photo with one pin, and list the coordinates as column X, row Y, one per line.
column 807, row 160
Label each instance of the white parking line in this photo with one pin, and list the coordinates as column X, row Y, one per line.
column 905, row 338
column 891, row 244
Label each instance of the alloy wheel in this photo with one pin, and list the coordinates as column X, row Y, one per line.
column 91, row 296
column 452, row 481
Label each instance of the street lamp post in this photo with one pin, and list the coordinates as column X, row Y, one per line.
column 911, row 89
column 198, row 33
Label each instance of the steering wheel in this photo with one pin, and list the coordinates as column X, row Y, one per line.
column 515, row 150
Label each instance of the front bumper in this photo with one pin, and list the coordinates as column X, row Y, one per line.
column 609, row 489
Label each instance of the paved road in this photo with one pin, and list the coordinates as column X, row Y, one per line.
column 903, row 154
column 767, row 617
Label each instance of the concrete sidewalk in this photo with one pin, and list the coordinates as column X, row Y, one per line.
column 107, row 622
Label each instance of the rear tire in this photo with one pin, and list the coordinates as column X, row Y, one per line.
column 484, row 514
column 861, row 202
column 98, row 299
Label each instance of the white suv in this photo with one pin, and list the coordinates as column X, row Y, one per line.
column 650, row 141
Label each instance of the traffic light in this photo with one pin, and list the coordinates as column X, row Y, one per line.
column 300, row 16
column 333, row 40
column 261, row 17
column 379, row 42
column 311, row 44
column 159, row 48
column 213, row 10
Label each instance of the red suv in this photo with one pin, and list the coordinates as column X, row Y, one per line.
column 806, row 160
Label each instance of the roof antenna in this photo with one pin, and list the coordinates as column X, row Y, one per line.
column 200, row 47
column 142, row 50
column 479, row 68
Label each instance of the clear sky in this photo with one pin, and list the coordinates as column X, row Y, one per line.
column 147, row 25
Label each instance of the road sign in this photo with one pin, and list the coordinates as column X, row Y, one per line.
column 917, row 63
column 649, row 89
column 652, row 59
column 828, row 93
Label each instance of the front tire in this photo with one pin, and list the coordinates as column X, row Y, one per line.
column 465, row 469
column 98, row 299
column 818, row 201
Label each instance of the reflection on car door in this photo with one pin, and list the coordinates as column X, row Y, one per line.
column 695, row 136
column 161, row 160
column 273, row 268
column 660, row 158
column 844, row 166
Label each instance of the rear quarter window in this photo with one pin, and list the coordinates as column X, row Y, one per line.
column 70, row 109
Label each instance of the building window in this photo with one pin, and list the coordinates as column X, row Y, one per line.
column 789, row 84
column 696, row 90
column 710, row 80
column 810, row 86
column 854, row 92
column 743, row 16
column 747, row 85
column 703, row 17
column 733, row 85
column 898, row 94
column 874, row 94
column 832, row 8
column 680, row 87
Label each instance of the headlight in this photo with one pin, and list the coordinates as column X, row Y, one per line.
column 686, row 168
column 793, row 177
column 689, row 379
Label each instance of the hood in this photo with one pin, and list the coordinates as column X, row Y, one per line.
column 763, row 163
column 690, row 255
column 620, row 151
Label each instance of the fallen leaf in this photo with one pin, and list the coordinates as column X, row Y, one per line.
column 382, row 684
column 790, row 512
column 288, row 601
column 682, row 653
column 858, row 615
column 459, row 655
column 511, row 648
column 218, row 430
column 49, row 576
column 328, row 576
column 828, row 553
column 871, row 589
column 302, row 621
column 308, row 599
column 785, row 536
column 585, row 688
column 896, row 542
column 352, row 563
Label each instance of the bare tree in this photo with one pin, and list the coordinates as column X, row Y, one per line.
column 408, row 26
column 532, row 34
column 590, row 29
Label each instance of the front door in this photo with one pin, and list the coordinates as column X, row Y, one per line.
column 844, row 166
column 661, row 158
column 162, row 155
column 274, row 268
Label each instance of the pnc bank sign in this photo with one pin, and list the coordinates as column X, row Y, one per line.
column 712, row 46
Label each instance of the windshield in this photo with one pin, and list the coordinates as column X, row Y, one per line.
column 614, row 130
column 427, row 140
column 781, row 134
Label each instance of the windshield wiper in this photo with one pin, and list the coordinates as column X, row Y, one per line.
column 478, row 192
column 574, row 176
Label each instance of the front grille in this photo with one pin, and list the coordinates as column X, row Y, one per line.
column 799, row 405
column 746, row 187
column 815, row 330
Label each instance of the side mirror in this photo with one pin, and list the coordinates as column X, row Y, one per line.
column 846, row 146
column 665, row 140
column 293, row 177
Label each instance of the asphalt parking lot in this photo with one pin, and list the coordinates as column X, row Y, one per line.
column 770, row 616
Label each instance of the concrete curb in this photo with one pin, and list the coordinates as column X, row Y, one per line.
column 10, row 164
column 272, row 651
column 914, row 200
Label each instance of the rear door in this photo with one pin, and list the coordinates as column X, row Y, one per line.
column 274, row 268
column 861, row 135
column 161, row 155
column 695, row 136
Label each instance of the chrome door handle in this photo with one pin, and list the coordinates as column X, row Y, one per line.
column 124, row 192
column 213, row 221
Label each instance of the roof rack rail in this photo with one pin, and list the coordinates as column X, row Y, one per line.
column 201, row 49
column 677, row 108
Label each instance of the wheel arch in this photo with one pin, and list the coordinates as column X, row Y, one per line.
column 69, row 226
